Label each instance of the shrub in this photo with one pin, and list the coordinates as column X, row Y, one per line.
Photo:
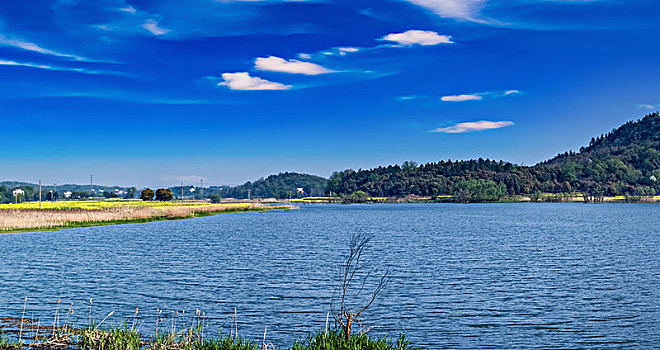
column 164, row 194
column 147, row 194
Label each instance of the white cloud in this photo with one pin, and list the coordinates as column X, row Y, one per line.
column 22, row 44
column 61, row 69
column 153, row 27
column 23, row 64
column 129, row 9
column 473, row 126
column 243, row 81
column 468, row 10
column 304, row 56
column 479, row 96
column 346, row 50
column 461, row 98
column 418, row 37
column 410, row 97
column 648, row 106
column 276, row 64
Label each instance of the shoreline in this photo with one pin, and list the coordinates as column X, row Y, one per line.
column 449, row 199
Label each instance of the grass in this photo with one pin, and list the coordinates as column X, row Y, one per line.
column 335, row 341
column 175, row 333
column 26, row 217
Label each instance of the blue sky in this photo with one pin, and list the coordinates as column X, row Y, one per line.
column 157, row 92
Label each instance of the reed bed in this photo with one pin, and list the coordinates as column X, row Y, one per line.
column 35, row 219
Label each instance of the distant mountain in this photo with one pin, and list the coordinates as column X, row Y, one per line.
column 31, row 191
column 60, row 188
column 283, row 185
column 625, row 161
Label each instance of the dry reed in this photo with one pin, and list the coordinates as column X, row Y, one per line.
column 26, row 219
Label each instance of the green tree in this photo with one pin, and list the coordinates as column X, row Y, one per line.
column 147, row 194
column 164, row 194
column 130, row 193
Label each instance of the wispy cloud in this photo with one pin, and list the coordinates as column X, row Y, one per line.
column 479, row 96
column 411, row 97
column 346, row 50
column 461, row 98
column 153, row 27
column 127, row 96
column 418, row 37
column 473, row 126
column 277, row 64
column 243, row 81
column 467, row 10
column 26, row 45
column 649, row 106
column 62, row 69
column 128, row 9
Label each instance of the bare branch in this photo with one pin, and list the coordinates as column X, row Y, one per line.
column 345, row 306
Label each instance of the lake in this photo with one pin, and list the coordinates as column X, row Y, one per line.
column 463, row 276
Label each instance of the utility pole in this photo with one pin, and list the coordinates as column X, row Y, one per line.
column 201, row 188
column 91, row 184
column 181, row 191
column 39, row 194
column 249, row 194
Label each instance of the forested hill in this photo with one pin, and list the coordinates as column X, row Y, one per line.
column 281, row 185
column 625, row 161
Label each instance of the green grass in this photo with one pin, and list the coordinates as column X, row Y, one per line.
column 336, row 341
column 127, row 336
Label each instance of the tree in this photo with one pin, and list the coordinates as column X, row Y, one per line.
column 216, row 198
column 348, row 302
column 110, row 194
column 164, row 194
column 147, row 194
column 409, row 165
column 130, row 193
column 51, row 195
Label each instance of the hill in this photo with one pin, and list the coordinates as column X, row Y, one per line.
column 625, row 161
column 283, row 185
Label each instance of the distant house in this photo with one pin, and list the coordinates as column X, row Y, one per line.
column 68, row 194
column 300, row 190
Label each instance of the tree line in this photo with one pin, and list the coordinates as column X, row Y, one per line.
column 625, row 161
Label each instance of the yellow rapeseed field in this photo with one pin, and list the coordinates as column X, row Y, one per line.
column 105, row 204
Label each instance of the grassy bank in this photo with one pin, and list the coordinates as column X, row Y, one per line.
column 190, row 334
column 27, row 217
